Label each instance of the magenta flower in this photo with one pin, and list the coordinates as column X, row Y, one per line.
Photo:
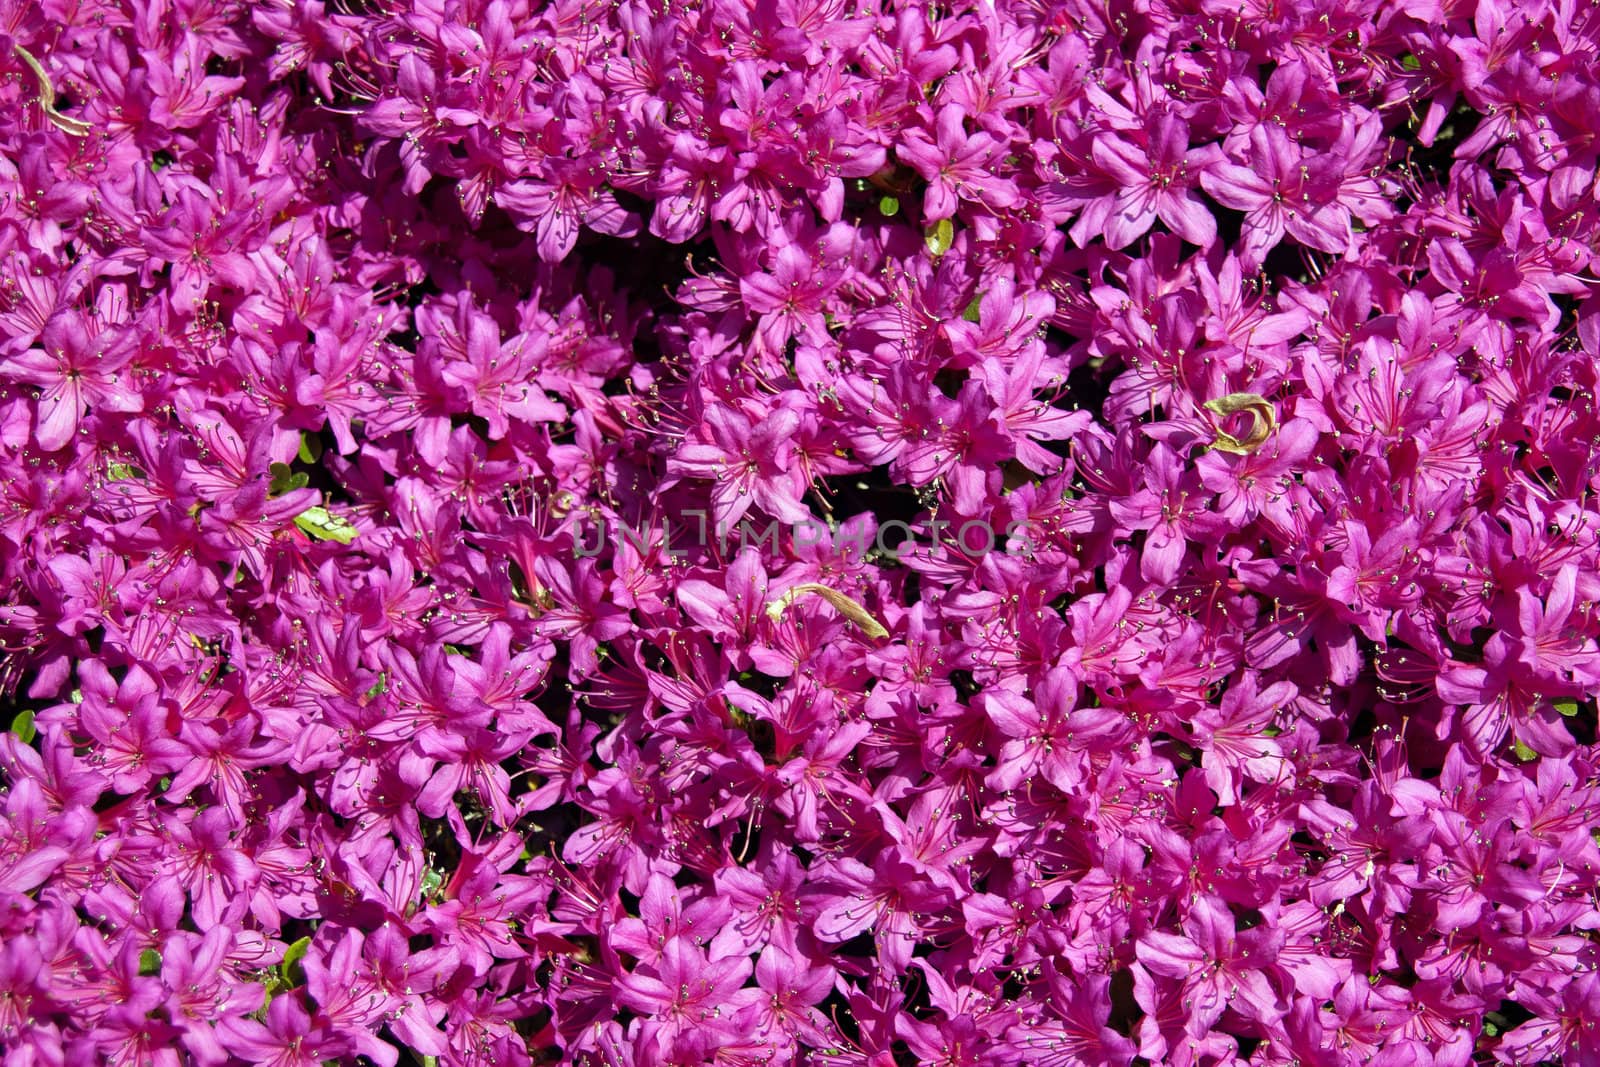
column 496, row 377
column 1218, row 966
column 750, row 463
column 1040, row 732
column 289, row 1037
column 219, row 760
column 790, row 531
column 129, row 722
column 1157, row 182
column 790, row 298
column 579, row 610
column 1281, row 192
column 208, row 864
column 203, row 246
column 684, row 989
column 1078, row 1028
column 76, row 370
column 553, row 210
column 1171, row 504
column 956, row 165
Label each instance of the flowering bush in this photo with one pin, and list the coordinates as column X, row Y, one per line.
column 799, row 531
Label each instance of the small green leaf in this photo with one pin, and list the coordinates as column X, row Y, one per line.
column 940, row 236
column 974, row 309
column 432, row 882
column 23, row 726
column 1490, row 1028
column 1524, row 753
column 122, row 472
column 76, row 696
column 888, row 207
column 1568, row 708
column 293, row 973
column 322, row 524
column 380, row 687
column 285, row 479
column 310, row 448
column 1410, row 62
column 149, row 963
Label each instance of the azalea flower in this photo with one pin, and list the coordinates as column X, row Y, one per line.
column 789, row 531
column 1219, row 967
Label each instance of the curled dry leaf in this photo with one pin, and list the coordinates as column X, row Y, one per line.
column 850, row 609
column 47, row 96
column 1263, row 420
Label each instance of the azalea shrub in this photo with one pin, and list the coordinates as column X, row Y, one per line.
column 829, row 532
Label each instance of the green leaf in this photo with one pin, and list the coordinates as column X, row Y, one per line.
column 293, row 973
column 1410, row 62
column 285, row 479
column 1524, row 753
column 122, row 472
column 149, row 963
column 1569, row 708
column 322, row 524
column 432, row 882
column 940, row 236
column 310, row 448
column 76, row 696
column 23, row 727
column 974, row 309
column 380, row 687
column 888, row 206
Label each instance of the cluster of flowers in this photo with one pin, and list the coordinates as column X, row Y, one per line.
column 1262, row 333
